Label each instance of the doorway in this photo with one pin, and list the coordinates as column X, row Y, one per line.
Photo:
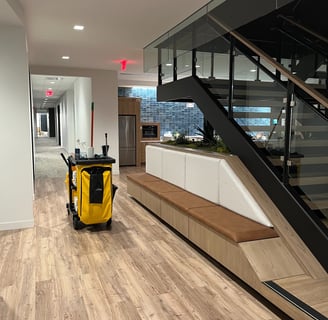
column 42, row 123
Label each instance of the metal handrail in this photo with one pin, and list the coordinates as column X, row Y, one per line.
column 316, row 35
column 300, row 83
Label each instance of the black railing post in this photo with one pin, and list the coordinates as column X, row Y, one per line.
column 193, row 63
column 288, row 126
column 212, row 66
column 326, row 83
column 159, row 66
column 326, row 80
column 175, row 63
column 159, row 74
column 279, row 55
column 231, row 77
column 258, row 69
column 175, row 68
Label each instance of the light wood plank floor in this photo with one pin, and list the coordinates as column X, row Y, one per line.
column 137, row 269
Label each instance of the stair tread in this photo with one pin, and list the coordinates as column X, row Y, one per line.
column 312, row 128
column 312, row 160
column 308, row 180
column 318, row 196
column 312, row 143
column 300, row 161
column 317, row 204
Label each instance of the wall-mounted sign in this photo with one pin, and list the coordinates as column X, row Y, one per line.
column 49, row 93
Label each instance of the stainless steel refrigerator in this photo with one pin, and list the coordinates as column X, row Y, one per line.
column 127, row 140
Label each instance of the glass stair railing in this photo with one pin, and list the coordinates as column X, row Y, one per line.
column 310, row 62
column 303, row 51
column 257, row 100
column 306, row 42
column 259, row 108
column 265, row 112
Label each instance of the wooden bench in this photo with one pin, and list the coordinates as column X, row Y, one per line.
column 181, row 209
column 253, row 252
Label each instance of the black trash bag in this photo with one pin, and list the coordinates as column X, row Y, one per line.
column 96, row 185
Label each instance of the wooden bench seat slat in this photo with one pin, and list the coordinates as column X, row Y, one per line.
column 153, row 183
column 161, row 187
column 231, row 224
column 185, row 200
column 222, row 220
column 142, row 177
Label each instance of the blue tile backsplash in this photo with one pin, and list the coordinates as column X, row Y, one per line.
column 173, row 116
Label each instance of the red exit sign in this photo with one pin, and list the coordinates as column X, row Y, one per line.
column 49, row 93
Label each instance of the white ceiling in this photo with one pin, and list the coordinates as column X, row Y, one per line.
column 114, row 30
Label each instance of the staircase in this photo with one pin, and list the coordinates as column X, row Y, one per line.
column 260, row 111
column 263, row 87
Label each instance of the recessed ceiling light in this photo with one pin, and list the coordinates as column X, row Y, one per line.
column 52, row 82
column 253, row 70
column 65, row 57
column 78, row 27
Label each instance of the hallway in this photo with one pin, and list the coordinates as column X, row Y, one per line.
column 137, row 269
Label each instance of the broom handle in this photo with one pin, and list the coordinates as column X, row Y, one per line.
column 92, row 121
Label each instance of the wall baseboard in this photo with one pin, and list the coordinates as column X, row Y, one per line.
column 13, row 225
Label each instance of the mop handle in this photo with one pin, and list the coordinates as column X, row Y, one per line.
column 92, row 122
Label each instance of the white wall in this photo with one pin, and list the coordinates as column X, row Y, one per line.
column 63, row 123
column 16, row 187
column 70, row 121
column 75, row 109
column 105, row 97
column 82, row 111
column 67, row 121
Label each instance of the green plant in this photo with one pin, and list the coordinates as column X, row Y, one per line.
column 217, row 145
column 207, row 132
column 181, row 139
column 210, row 141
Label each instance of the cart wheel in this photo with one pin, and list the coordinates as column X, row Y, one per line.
column 109, row 222
column 77, row 224
column 67, row 207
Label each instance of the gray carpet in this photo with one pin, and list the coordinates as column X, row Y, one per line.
column 48, row 161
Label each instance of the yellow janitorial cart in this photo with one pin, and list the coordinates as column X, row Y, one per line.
column 90, row 190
